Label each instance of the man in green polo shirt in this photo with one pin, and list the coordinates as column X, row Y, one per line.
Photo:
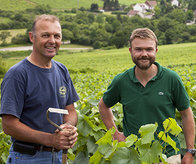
column 149, row 93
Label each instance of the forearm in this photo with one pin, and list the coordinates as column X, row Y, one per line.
column 13, row 127
column 106, row 115
column 72, row 117
column 188, row 128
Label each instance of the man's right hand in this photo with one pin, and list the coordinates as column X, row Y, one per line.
column 66, row 138
column 119, row 136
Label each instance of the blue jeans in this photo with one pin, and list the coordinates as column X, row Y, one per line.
column 41, row 157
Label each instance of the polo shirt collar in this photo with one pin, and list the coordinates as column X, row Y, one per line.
column 158, row 75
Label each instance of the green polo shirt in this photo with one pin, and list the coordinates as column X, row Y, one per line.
column 155, row 102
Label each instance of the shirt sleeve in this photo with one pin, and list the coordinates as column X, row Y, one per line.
column 12, row 97
column 73, row 97
column 112, row 95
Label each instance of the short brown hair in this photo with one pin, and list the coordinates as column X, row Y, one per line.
column 44, row 17
column 143, row 33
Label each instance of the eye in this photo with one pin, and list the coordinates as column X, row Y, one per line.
column 45, row 35
column 138, row 49
column 57, row 36
column 149, row 49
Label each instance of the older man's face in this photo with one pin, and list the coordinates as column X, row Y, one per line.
column 47, row 38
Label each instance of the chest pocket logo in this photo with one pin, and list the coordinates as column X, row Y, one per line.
column 160, row 93
column 62, row 91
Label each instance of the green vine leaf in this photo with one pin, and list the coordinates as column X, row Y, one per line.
column 170, row 125
column 125, row 155
column 150, row 154
column 163, row 158
column 168, row 140
column 130, row 140
column 95, row 159
column 147, row 133
column 107, row 137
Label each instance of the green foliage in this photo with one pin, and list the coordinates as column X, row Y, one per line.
column 94, row 7
column 91, row 73
column 58, row 4
column 4, row 145
column 169, row 23
column 136, row 150
column 3, row 68
column 3, row 36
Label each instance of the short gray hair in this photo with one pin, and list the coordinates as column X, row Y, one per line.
column 44, row 17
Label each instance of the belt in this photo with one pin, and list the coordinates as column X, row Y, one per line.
column 45, row 148
column 29, row 148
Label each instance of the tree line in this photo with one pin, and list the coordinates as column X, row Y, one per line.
column 108, row 31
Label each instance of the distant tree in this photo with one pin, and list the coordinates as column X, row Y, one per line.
column 110, row 5
column 109, row 28
column 106, row 5
column 101, row 38
column 67, row 34
column 20, row 39
column 164, row 23
column 100, row 19
column 192, row 4
column 82, row 8
column 3, row 68
column 73, row 10
column 178, row 15
column 116, row 5
column 94, row 7
column 189, row 15
column 157, row 11
column 43, row 9
column 3, row 36
column 165, row 6
column 119, row 39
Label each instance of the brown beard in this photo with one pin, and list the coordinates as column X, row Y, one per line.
column 142, row 66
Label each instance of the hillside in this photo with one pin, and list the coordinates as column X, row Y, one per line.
column 56, row 5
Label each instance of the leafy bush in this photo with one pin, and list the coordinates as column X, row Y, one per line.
column 135, row 150
column 3, row 68
column 5, row 143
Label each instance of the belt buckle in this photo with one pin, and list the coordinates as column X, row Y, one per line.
column 41, row 148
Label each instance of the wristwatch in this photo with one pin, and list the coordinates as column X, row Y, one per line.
column 192, row 151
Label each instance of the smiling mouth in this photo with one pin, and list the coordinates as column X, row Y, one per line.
column 50, row 48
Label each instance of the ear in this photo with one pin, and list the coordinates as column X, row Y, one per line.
column 130, row 49
column 31, row 37
column 156, row 49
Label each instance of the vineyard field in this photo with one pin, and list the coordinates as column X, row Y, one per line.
column 93, row 71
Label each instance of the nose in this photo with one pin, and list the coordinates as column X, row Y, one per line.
column 144, row 52
column 52, row 39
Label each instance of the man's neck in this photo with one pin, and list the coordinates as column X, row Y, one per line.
column 40, row 62
column 144, row 76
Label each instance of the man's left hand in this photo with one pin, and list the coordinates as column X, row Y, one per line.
column 188, row 158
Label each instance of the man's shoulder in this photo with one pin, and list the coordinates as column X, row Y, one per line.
column 170, row 73
column 17, row 69
column 59, row 65
column 122, row 76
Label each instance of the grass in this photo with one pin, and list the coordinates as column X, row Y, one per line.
column 118, row 60
column 13, row 34
column 13, row 5
column 125, row 2
column 114, row 61
column 19, row 5
column 4, row 20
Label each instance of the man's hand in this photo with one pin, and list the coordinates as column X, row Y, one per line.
column 188, row 158
column 119, row 136
column 66, row 138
